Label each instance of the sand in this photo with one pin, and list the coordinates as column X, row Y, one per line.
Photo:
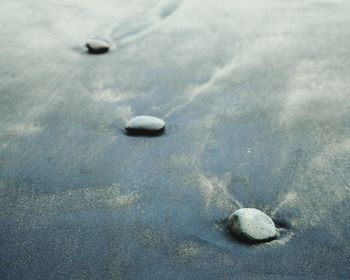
column 256, row 99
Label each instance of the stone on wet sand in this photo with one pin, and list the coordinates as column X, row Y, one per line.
column 97, row 46
column 252, row 224
column 146, row 125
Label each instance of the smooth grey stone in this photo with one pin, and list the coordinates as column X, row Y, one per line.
column 252, row 224
column 145, row 125
column 96, row 46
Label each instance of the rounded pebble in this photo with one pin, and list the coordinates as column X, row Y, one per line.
column 252, row 224
column 97, row 46
column 145, row 125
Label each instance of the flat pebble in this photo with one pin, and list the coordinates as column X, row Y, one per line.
column 252, row 224
column 145, row 125
column 97, row 46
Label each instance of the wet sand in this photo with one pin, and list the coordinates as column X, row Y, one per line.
column 256, row 99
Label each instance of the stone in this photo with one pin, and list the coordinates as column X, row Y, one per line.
column 252, row 224
column 97, row 46
column 145, row 125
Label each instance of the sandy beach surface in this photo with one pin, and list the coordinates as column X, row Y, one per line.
column 256, row 98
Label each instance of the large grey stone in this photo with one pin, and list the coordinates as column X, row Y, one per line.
column 145, row 125
column 252, row 224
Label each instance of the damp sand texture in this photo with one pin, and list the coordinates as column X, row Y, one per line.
column 255, row 95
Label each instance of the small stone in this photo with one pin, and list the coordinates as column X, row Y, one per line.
column 145, row 125
column 97, row 46
column 252, row 224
